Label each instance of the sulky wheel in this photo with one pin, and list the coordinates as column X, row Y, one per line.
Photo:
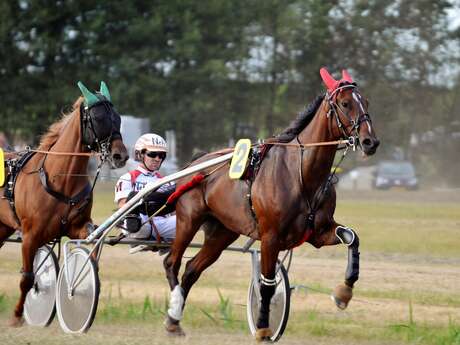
column 279, row 306
column 40, row 304
column 77, row 291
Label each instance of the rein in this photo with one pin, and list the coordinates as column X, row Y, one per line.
column 300, row 145
column 83, row 154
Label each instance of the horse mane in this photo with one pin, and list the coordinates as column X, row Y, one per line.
column 302, row 121
column 51, row 136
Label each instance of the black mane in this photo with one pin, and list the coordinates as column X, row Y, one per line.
column 302, row 120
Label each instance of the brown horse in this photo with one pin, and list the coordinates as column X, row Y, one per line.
column 287, row 204
column 52, row 194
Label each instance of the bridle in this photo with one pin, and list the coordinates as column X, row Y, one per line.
column 88, row 130
column 101, row 145
column 350, row 131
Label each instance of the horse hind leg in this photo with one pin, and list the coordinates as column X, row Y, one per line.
column 29, row 248
column 186, row 227
column 217, row 238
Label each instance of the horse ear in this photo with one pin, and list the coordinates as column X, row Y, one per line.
column 90, row 98
column 346, row 76
column 104, row 90
column 328, row 80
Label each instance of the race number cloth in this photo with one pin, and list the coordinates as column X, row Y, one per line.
column 240, row 158
column 2, row 168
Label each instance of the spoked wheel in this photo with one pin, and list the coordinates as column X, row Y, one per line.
column 279, row 306
column 40, row 304
column 77, row 292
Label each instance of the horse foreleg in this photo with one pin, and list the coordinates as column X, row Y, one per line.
column 344, row 292
column 212, row 248
column 269, row 255
column 29, row 248
column 341, row 234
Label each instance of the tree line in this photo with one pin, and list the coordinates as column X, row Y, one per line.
column 214, row 69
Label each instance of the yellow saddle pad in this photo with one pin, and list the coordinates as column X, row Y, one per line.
column 2, row 168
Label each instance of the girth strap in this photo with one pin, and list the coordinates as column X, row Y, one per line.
column 61, row 197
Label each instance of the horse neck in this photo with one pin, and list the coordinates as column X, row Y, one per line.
column 317, row 161
column 68, row 141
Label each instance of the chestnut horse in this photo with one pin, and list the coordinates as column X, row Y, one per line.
column 52, row 194
column 287, row 204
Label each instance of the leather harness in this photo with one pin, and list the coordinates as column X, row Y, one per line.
column 14, row 168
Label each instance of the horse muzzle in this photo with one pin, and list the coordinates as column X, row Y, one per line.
column 118, row 154
column 369, row 145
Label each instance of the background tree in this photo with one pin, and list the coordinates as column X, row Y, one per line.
column 218, row 70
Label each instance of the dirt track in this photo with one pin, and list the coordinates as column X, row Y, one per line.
column 390, row 285
column 140, row 275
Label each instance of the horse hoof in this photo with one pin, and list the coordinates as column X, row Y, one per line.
column 16, row 322
column 173, row 328
column 342, row 295
column 263, row 334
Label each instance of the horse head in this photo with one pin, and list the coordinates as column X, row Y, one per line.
column 100, row 125
column 349, row 108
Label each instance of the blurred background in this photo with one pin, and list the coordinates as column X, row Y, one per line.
column 215, row 71
column 204, row 73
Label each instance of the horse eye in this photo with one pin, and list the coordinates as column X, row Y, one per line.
column 345, row 104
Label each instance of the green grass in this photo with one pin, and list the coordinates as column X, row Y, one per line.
column 410, row 227
column 152, row 310
column 411, row 332
column 451, row 299
column 226, row 316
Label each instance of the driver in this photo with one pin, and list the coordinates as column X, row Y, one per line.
column 150, row 152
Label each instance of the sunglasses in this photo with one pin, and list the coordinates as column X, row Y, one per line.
column 153, row 154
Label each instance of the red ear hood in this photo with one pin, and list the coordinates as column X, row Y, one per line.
column 329, row 81
column 346, row 76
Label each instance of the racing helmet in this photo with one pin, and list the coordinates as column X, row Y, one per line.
column 149, row 142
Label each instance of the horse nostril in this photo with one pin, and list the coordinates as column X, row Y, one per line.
column 116, row 157
column 367, row 142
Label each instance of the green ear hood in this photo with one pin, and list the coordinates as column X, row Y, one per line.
column 104, row 90
column 90, row 98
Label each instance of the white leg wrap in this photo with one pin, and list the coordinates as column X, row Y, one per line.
column 267, row 282
column 176, row 303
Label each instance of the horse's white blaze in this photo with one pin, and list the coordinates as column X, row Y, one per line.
column 176, row 303
column 357, row 98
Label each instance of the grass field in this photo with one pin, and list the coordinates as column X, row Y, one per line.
column 408, row 292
